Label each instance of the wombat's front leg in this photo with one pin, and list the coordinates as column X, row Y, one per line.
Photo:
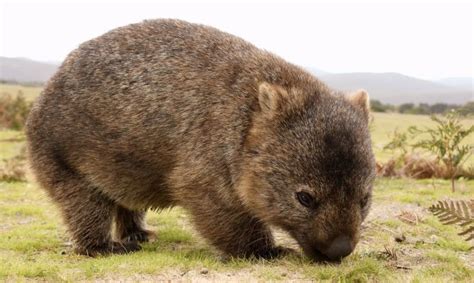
column 234, row 231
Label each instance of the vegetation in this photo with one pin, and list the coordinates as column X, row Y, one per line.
column 467, row 109
column 22, row 84
column 34, row 245
column 377, row 106
column 423, row 108
column 13, row 111
column 456, row 212
column 444, row 141
column 30, row 92
column 398, row 145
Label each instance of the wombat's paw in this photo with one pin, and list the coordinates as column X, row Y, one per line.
column 275, row 252
column 140, row 236
column 112, row 248
column 123, row 248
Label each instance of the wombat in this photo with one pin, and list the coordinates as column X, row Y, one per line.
column 167, row 113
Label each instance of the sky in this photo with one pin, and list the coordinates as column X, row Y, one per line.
column 429, row 40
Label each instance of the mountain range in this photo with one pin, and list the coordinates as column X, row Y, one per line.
column 23, row 70
column 393, row 88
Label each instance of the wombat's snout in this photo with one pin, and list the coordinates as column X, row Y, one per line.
column 340, row 247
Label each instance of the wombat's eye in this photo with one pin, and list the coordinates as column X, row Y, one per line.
column 305, row 199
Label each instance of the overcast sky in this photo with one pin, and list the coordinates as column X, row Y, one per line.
column 429, row 41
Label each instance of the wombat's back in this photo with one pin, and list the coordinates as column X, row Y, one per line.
column 128, row 108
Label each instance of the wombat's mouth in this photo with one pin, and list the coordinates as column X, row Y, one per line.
column 316, row 255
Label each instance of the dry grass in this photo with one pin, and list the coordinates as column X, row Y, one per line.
column 410, row 217
column 416, row 166
column 30, row 92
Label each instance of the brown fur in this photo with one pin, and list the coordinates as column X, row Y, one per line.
column 166, row 113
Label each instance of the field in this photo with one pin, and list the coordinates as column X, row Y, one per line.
column 384, row 124
column 30, row 92
column 35, row 246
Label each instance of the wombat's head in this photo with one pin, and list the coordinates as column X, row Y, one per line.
column 309, row 167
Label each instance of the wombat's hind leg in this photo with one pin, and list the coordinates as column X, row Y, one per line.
column 89, row 216
column 130, row 226
column 87, row 212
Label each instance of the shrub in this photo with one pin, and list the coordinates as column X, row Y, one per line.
column 14, row 169
column 467, row 109
column 13, row 111
column 444, row 142
column 398, row 145
column 377, row 106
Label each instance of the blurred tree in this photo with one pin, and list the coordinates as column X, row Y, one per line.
column 406, row 108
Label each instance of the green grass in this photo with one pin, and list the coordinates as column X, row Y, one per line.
column 34, row 244
column 11, row 143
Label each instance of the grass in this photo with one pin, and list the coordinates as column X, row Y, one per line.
column 30, row 92
column 384, row 124
column 35, row 246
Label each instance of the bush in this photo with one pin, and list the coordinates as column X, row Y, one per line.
column 14, row 169
column 13, row 111
column 445, row 142
column 406, row 108
column 467, row 109
column 377, row 106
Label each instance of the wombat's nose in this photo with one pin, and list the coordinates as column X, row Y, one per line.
column 339, row 248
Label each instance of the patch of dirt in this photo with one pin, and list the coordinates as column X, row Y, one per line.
column 386, row 211
column 197, row 275
column 401, row 252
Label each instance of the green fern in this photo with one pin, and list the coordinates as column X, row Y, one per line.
column 458, row 212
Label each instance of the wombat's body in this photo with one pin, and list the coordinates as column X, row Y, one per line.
column 166, row 113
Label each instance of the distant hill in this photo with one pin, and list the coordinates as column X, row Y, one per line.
column 391, row 88
column 460, row 83
column 24, row 70
column 317, row 72
column 396, row 88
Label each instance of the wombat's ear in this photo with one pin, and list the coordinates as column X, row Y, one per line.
column 271, row 97
column 360, row 99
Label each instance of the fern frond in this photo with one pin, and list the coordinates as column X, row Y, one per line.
column 458, row 212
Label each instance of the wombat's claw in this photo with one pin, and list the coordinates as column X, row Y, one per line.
column 123, row 248
column 112, row 248
column 140, row 236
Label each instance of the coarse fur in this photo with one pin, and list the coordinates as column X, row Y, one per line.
column 165, row 113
